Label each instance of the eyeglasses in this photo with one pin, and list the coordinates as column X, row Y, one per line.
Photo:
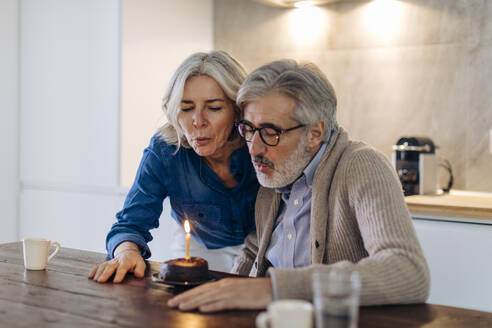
column 269, row 134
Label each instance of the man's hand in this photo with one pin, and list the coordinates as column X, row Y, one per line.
column 226, row 294
column 126, row 259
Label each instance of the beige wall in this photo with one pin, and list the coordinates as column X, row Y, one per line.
column 416, row 67
column 156, row 36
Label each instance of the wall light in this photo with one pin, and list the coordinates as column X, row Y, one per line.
column 301, row 3
column 307, row 25
column 383, row 18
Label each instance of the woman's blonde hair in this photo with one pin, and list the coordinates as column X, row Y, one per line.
column 220, row 66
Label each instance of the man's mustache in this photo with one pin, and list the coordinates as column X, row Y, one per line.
column 263, row 161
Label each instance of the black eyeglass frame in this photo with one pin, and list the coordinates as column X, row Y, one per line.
column 278, row 130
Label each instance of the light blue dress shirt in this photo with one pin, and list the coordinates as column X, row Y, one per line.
column 290, row 243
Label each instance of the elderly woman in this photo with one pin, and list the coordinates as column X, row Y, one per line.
column 199, row 161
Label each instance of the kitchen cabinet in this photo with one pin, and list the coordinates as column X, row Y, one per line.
column 460, row 261
column 456, row 236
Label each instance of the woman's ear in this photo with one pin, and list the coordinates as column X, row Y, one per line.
column 315, row 135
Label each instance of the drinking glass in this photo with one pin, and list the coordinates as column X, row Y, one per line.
column 336, row 298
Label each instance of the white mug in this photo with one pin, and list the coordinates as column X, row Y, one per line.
column 286, row 314
column 37, row 252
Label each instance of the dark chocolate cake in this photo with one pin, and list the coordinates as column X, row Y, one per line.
column 194, row 269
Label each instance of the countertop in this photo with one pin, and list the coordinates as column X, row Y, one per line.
column 456, row 206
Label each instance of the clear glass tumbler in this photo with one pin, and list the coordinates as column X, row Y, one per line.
column 336, row 298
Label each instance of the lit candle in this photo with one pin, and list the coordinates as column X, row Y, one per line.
column 187, row 230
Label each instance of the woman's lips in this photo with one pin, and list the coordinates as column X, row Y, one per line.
column 202, row 141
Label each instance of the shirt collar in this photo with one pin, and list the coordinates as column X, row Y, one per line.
column 308, row 172
column 313, row 165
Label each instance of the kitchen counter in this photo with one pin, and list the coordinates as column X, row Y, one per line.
column 457, row 206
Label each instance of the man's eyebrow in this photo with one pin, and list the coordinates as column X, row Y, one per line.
column 263, row 125
column 269, row 125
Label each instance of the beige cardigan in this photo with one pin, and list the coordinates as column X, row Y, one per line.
column 359, row 220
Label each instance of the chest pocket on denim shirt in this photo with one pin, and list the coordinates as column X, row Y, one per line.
column 206, row 216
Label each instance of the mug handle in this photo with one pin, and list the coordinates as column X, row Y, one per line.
column 262, row 320
column 57, row 248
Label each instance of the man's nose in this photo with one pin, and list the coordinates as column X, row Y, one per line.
column 256, row 145
column 199, row 118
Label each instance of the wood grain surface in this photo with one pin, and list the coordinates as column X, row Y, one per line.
column 63, row 296
column 474, row 207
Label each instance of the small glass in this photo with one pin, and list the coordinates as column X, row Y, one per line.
column 336, row 298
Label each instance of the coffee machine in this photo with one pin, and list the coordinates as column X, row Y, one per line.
column 414, row 159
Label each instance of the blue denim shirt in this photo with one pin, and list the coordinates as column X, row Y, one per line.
column 219, row 217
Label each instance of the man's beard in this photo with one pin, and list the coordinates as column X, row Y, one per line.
column 287, row 172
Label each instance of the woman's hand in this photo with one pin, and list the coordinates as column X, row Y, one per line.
column 127, row 258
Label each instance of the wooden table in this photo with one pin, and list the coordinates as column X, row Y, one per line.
column 62, row 296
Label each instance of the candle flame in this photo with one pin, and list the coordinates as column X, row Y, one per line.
column 187, row 226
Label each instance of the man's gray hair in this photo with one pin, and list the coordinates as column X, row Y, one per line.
column 304, row 82
column 220, row 66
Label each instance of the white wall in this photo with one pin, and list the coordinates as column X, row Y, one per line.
column 459, row 257
column 69, row 120
column 9, row 93
column 157, row 35
column 69, row 92
column 75, row 56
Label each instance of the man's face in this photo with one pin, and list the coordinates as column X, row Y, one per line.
column 280, row 165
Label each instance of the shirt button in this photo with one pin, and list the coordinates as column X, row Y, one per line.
column 289, row 236
column 296, row 201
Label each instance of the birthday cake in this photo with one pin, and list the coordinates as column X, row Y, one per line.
column 193, row 269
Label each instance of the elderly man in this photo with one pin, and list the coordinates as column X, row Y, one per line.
column 326, row 202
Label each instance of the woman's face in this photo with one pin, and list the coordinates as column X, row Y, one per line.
column 206, row 116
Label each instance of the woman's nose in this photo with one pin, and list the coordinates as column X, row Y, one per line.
column 199, row 119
